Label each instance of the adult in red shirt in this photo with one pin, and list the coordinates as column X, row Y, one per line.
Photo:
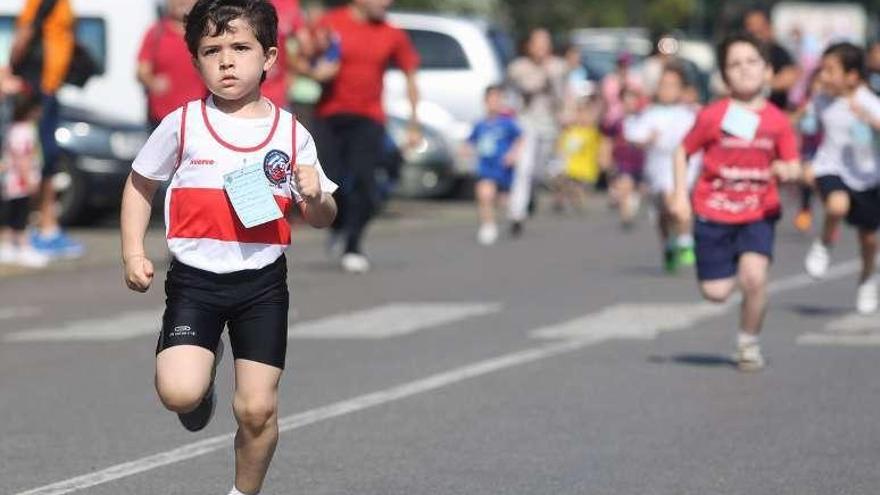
column 278, row 79
column 164, row 64
column 349, row 127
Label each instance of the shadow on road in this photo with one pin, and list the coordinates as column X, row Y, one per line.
column 700, row 360
column 818, row 310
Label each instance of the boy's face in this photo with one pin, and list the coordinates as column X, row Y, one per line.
column 835, row 80
column 375, row 10
column 745, row 72
column 494, row 102
column 670, row 88
column 232, row 63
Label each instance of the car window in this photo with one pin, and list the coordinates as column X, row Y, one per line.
column 438, row 51
column 91, row 32
column 503, row 47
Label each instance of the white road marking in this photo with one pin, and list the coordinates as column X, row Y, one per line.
column 128, row 325
column 403, row 391
column 22, row 312
column 852, row 330
column 387, row 321
column 633, row 321
column 391, row 320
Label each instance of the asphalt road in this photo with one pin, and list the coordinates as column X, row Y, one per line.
column 561, row 363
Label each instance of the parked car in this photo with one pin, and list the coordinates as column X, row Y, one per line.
column 460, row 58
column 103, row 123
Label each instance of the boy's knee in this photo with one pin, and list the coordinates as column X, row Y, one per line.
column 715, row 293
column 255, row 414
column 837, row 204
column 715, row 296
column 180, row 397
column 753, row 283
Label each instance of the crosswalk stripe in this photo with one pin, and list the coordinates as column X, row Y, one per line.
column 391, row 320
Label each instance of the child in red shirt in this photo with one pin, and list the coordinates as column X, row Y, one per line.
column 748, row 144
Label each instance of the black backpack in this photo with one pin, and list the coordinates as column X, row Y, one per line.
column 30, row 65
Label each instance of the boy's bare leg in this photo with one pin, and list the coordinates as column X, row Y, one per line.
column 183, row 375
column 836, row 208
column 256, row 409
column 752, row 276
column 486, row 192
column 868, row 244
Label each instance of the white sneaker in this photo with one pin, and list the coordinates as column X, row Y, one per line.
column 866, row 297
column 488, row 234
column 7, row 253
column 355, row 263
column 31, row 258
column 818, row 259
column 748, row 357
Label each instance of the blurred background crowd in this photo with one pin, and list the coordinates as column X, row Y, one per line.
column 568, row 73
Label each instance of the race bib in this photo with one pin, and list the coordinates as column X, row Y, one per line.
column 487, row 146
column 251, row 195
column 740, row 122
column 862, row 134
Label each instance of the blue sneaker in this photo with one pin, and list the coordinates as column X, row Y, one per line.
column 57, row 246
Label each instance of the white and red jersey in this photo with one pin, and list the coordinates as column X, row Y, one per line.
column 195, row 146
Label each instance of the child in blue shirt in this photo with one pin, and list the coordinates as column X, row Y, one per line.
column 496, row 140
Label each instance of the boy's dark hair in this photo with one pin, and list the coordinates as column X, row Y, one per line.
column 492, row 88
column 23, row 104
column 851, row 57
column 739, row 37
column 676, row 69
column 212, row 18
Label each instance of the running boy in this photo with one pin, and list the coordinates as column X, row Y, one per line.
column 847, row 165
column 497, row 142
column 236, row 164
column 747, row 143
column 660, row 130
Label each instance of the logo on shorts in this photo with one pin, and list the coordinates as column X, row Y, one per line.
column 276, row 165
column 182, row 331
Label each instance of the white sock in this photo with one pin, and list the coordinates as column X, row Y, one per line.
column 746, row 339
column 685, row 241
column 235, row 491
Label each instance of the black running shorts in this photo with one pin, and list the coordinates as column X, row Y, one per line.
column 252, row 303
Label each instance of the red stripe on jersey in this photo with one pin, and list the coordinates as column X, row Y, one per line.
column 232, row 146
column 182, row 137
column 205, row 213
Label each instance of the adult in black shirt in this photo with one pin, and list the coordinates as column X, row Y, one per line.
column 786, row 73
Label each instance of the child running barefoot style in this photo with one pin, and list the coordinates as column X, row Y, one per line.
column 846, row 166
column 748, row 144
column 236, row 164
column 497, row 142
column 659, row 130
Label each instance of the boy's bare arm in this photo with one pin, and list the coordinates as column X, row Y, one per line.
column 137, row 199
column 680, row 203
column 318, row 207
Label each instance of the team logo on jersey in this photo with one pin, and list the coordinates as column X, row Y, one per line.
column 275, row 165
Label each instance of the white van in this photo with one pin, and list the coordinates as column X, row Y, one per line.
column 103, row 123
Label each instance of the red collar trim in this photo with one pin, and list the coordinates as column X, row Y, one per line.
column 233, row 147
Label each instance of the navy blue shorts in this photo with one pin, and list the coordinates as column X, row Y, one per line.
column 864, row 206
column 719, row 246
